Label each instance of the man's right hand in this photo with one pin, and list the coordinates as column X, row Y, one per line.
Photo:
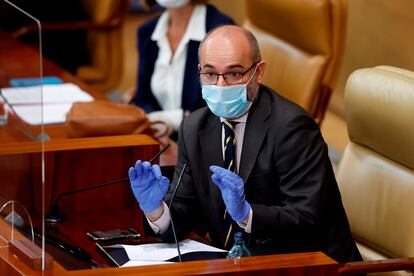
column 148, row 185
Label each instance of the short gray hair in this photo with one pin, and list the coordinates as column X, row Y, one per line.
column 254, row 45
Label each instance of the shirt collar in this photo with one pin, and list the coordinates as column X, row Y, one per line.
column 196, row 28
column 241, row 119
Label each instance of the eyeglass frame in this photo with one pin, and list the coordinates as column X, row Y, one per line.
column 224, row 78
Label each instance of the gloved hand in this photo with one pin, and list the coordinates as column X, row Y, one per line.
column 148, row 185
column 232, row 191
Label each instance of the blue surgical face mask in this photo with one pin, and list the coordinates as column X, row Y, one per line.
column 228, row 102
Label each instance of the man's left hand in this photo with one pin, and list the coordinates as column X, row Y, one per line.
column 232, row 191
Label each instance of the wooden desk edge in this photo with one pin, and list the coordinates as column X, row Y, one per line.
column 222, row 266
column 308, row 260
column 78, row 143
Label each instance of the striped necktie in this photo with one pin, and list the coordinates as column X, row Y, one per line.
column 230, row 164
column 229, row 145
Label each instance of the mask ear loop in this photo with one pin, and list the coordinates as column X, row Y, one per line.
column 254, row 73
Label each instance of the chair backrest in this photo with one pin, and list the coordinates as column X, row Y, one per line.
column 104, row 43
column 376, row 172
column 302, row 42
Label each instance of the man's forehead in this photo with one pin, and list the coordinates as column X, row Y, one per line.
column 227, row 35
column 231, row 48
column 223, row 60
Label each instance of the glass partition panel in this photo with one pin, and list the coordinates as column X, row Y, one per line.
column 70, row 185
column 22, row 135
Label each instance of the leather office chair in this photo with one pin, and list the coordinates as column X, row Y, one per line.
column 103, row 27
column 302, row 42
column 104, row 44
column 376, row 172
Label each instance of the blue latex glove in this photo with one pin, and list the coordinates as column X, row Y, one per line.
column 232, row 191
column 148, row 185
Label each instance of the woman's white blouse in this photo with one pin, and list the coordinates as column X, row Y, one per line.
column 168, row 76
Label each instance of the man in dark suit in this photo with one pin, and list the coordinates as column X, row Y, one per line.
column 277, row 185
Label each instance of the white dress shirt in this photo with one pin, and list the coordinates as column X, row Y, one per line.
column 161, row 224
column 168, row 76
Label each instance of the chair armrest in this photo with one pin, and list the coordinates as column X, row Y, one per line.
column 353, row 268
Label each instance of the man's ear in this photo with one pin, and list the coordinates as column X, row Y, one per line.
column 199, row 67
column 260, row 71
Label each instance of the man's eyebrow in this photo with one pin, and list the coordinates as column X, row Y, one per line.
column 230, row 67
column 236, row 66
column 208, row 66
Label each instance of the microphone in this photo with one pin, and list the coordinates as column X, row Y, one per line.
column 169, row 207
column 55, row 217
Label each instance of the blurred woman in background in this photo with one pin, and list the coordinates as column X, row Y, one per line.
column 168, row 83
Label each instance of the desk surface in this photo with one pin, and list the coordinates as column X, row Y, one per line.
column 312, row 263
column 19, row 61
column 20, row 155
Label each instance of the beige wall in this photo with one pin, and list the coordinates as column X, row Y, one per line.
column 380, row 32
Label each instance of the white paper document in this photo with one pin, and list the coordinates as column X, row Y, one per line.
column 52, row 93
column 139, row 263
column 52, row 114
column 57, row 101
column 158, row 252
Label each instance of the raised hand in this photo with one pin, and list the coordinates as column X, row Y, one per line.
column 232, row 191
column 148, row 185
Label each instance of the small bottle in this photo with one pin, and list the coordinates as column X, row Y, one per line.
column 239, row 249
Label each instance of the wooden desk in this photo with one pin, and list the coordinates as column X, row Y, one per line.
column 313, row 263
column 70, row 164
column 101, row 159
column 19, row 61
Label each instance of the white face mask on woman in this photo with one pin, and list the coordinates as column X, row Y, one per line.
column 173, row 3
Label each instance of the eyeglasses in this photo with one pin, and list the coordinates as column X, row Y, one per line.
column 231, row 78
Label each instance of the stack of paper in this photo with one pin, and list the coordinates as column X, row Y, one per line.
column 158, row 253
column 57, row 101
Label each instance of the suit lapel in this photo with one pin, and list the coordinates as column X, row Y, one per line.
column 210, row 139
column 255, row 133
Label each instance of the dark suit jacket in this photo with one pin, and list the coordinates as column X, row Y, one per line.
column 289, row 181
column 148, row 53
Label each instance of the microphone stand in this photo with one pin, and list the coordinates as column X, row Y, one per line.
column 54, row 216
column 169, row 207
